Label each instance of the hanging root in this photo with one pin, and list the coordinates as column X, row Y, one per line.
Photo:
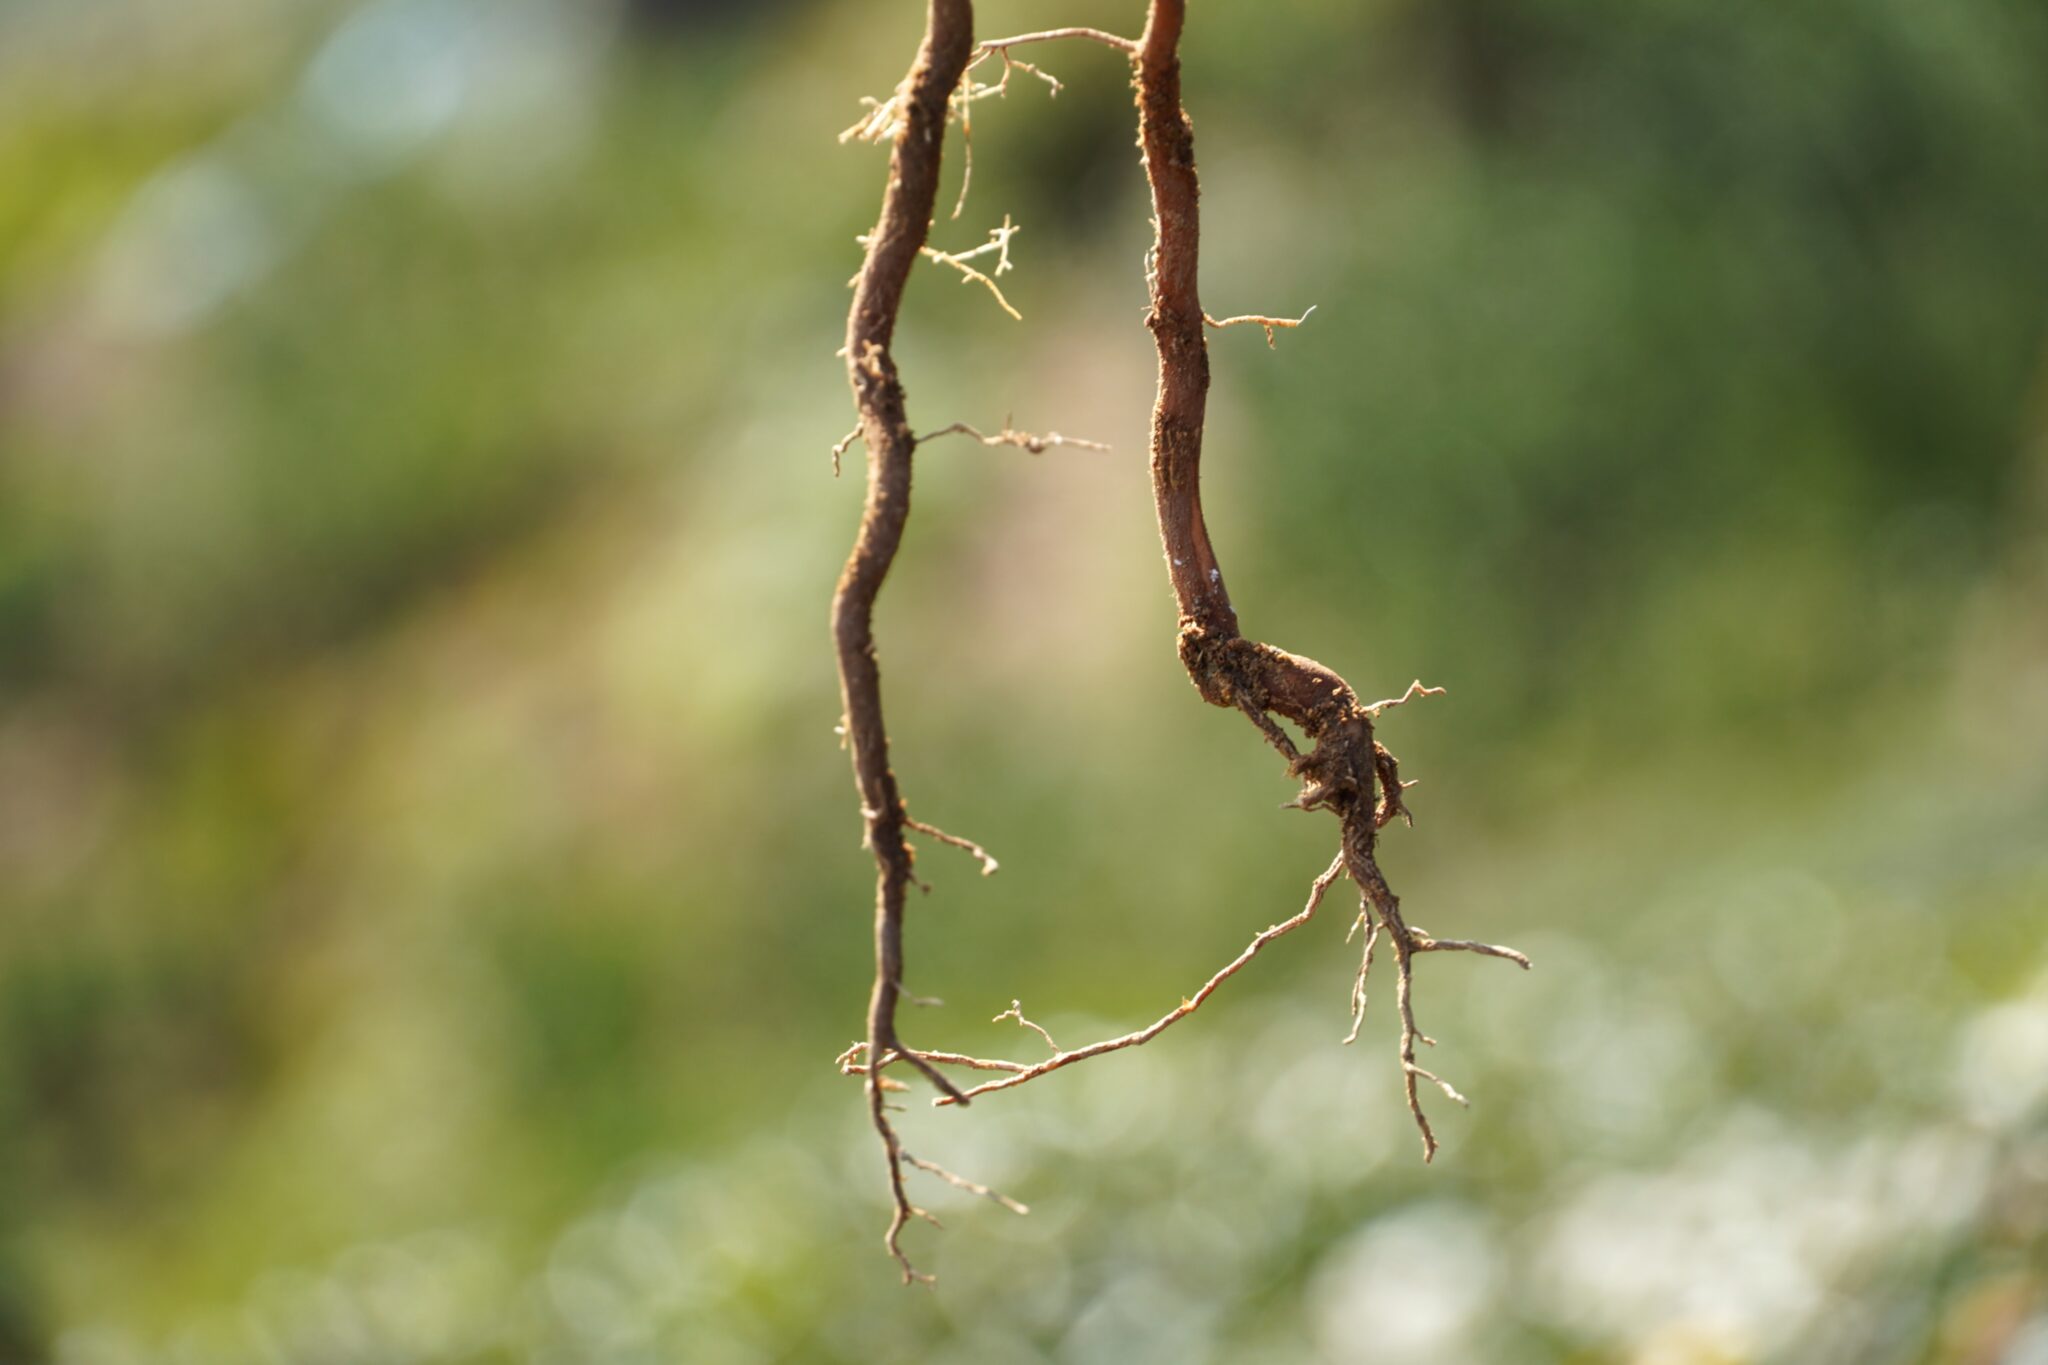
column 962, row 1182
column 913, row 120
column 1345, row 770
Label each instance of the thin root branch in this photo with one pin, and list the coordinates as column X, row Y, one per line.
column 999, row 241
column 1258, row 319
column 1425, row 944
column 988, row 864
column 1408, row 943
column 849, row 1064
column 963, row 106
column 1009, row 436
column 839, row 448
column 971, row 91
column 1415, row 689
column 1188, row 1004
column 1372, row 938
column 903, row 1213
column 1441, row 1084
column 964, row 98
column 1404, row 1002
column 1341, row 765
column 1123, row 45
column 1016, row 1011
column 881, row 123
column 962, row 1182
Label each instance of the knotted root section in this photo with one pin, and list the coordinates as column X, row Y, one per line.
column 1351, row 774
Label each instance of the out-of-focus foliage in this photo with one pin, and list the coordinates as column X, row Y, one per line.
column 429, row 891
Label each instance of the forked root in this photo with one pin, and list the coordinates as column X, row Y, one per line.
column 1020, row 1074
column 1380, row 915
column 902, row 1210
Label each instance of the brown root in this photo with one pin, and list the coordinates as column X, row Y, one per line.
column 1344, row 770
column 914, row 119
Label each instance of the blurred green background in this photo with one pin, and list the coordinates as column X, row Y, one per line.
column 430, row 890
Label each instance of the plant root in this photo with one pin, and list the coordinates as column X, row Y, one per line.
column 1344, row 770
